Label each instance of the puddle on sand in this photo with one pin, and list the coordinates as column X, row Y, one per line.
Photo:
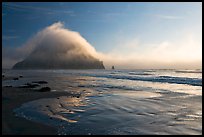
column 52, row 111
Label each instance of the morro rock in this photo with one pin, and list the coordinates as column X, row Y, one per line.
column 58, row 48
column 78, row 62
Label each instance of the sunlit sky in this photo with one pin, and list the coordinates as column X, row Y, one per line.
column 161, row 34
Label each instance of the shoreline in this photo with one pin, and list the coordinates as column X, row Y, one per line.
column 13, row 98
column 105, row 108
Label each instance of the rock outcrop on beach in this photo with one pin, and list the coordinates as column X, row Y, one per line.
column 45, row 89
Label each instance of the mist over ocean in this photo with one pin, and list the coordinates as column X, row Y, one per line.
column 116, row 101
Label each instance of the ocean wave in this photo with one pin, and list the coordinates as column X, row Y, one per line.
column 142, row 74
column 110, row 86
column 161, row 79
column 188, row 71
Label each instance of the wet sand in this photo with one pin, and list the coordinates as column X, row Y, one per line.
column 13, row 98
column 103, row 108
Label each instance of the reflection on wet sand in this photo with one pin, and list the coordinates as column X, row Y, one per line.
column 101, row 106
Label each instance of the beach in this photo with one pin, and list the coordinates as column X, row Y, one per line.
column 12, row 98
column 102, row 102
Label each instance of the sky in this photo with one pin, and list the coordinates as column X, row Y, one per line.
column 128, row 35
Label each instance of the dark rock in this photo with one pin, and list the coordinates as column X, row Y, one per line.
column 23, row 86
column 20, row 76
column 8, row 86
column 15, row 78
column 3, row 76
column 32, row 85
column 29, row 85
column 45, row 89
column 113, row 67
column 77, row 96
column 40, row 82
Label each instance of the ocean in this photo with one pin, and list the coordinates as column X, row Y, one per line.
column 116, row 102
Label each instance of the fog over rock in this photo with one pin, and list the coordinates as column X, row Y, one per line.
column 58, row 48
